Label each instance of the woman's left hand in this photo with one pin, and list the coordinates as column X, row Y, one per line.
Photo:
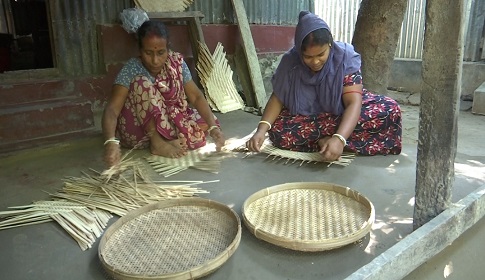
column 331, row 148
column 218, row 138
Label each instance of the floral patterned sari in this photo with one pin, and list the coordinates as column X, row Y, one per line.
column 165, row 103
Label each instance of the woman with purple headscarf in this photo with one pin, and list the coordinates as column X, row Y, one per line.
column 319, row 103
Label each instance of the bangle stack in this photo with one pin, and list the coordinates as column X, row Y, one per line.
column 341, row 138
column 266, row 122
column 112, row 140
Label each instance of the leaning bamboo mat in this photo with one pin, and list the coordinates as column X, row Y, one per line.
column 185, row 238
column 216, row 78
column 308, row 216
column 85, row 204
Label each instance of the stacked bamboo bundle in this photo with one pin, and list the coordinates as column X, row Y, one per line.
column 85, row 204
column 163, row 5
column 216, row 78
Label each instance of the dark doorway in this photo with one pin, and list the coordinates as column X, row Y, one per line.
column 28, row 34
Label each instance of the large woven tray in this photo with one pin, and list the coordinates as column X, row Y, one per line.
column 308, row 216
column 182, row 238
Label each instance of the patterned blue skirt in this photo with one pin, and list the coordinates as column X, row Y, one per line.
column 378, row 131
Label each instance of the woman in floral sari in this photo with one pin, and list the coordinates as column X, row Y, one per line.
column 319, row 104
column 149, row 103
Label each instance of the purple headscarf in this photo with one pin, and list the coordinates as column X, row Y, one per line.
column 307, row 93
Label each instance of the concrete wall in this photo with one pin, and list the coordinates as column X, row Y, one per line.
column 406, row 76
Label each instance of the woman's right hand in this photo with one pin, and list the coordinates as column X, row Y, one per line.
column 254, row 144
column 112, row 154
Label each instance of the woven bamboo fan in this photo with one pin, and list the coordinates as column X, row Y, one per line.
column 183, row 238
column 216, row 78
column 163, row 5
column 308, row 216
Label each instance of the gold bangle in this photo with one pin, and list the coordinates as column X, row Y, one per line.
column 266, row 122
column 341, row 138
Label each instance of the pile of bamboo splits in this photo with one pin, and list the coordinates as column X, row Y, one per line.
column 216, row 78
column 85, row 204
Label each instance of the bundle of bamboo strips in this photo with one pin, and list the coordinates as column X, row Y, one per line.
column 85, row 204
column 84, row 224
column 216, row 78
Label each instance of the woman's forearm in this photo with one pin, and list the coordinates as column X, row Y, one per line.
column 349, row 120
column 271, row 111
column 204, row 110
column 109, row 123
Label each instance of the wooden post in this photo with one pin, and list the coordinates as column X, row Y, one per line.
column 250, row 52
column 440, row 94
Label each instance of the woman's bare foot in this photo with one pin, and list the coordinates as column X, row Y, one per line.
column 171, row 149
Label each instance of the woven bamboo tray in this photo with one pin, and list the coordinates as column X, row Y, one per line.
column 308, row 216
column 182, row 238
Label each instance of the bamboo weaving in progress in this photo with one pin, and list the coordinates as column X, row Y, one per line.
column 206, row 161
column 216, row 78
column 289, row 157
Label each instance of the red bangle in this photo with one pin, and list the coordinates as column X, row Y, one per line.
column 353, row 91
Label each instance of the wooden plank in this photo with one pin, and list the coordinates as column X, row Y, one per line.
column 170, row 16
column 243, row 74
column 250, row 52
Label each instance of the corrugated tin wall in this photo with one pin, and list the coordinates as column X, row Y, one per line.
column 74, row 24
column 75, row 38
column 74, row 32
column 342, row 15
column 271, row 12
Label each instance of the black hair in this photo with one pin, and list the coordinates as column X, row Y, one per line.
column 318, row 37
column 152, row 27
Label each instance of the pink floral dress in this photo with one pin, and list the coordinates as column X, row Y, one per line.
column 162, row 99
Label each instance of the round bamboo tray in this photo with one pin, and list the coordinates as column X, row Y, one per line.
column 308, row 216
column 182, row 238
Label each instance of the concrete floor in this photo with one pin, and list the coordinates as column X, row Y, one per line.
column 45, row 251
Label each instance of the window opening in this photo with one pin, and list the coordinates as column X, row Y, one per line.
column 25, row 40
